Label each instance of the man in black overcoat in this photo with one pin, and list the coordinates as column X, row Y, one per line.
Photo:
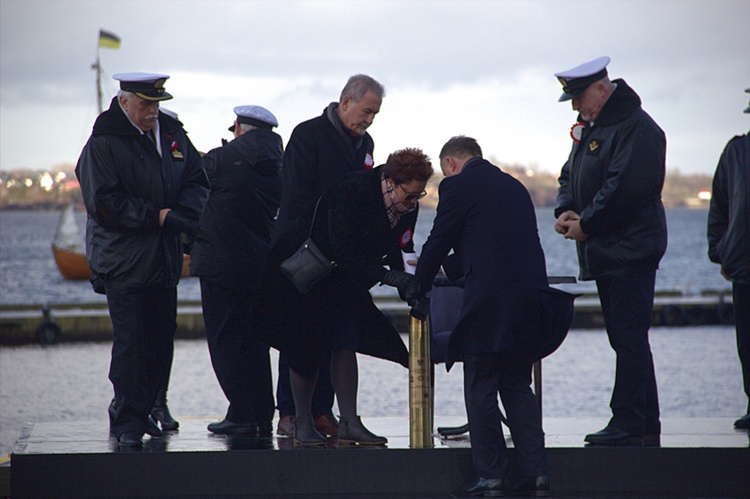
column 319, row 151
column 237, row 223
column 487, row 218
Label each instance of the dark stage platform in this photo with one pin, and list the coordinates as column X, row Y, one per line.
column 699, row 457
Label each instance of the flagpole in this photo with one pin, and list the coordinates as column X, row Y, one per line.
column 98, row 68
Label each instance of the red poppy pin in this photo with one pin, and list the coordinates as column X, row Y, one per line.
column 369, row 162
column 576, row 131
column 406, row 237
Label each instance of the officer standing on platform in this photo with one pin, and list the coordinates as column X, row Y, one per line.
column 143, row 185
column 729, row 242
column 609, row 202
column 237, row 224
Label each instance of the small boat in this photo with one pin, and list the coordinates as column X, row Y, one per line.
column 69, row 249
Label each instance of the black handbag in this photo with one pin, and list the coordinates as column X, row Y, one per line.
column 308, row 264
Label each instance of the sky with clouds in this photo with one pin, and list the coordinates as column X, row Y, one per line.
column 477, row 67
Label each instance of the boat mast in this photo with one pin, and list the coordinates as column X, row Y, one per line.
column 98, row 68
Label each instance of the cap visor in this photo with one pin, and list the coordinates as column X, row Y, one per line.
column 231, row 128
column 164, row 96
column 565, row 96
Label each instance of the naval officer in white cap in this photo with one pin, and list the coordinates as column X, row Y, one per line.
column 729, row 243
column 609, row 202
column 245, row 193
column 143, row 185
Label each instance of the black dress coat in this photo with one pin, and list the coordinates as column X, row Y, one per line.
column 124, row 183
column 351, row 227
column 487, row 218
column 613, row 179
column 241, row 210
column 318, row 152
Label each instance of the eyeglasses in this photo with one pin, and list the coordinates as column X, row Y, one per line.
column 411, row 196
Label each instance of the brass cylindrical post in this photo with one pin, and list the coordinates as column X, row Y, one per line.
column 420, row 385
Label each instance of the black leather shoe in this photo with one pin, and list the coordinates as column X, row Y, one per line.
column 153, row 429
column 130, row 439
column 487, row 487
column 532, row 487
column 453, row 431
column 265, row 429
column 613, row 436
column 743, row 423
column 226, row 427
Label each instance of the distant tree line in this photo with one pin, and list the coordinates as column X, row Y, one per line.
column 35, row 190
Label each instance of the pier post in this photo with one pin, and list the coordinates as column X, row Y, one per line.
column 420, row 385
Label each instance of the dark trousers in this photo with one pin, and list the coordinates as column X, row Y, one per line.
column 322, row 402
column 143, row 323
column 242, row 363
column 741, row 298
column 484, row 377
column 628, row 305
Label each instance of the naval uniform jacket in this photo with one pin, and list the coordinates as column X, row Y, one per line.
column 613, row 179
column 319, row 151
column 487, row 218
column 241, row 209
column 125, row 182
column 729, row 213
column 351, row 227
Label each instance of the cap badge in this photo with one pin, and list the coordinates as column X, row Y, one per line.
column 576, row 131
column 593, row 145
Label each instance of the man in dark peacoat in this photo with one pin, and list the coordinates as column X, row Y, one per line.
column 487, row 218
column 320, row 151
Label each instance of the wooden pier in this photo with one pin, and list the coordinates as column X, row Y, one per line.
column 50, row 323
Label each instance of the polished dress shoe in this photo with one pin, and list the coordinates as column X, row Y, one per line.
column 226, row 427
column 153, row 429
column 265, row 429
column 743, row 423
column 305, row 433
column 532, row 487
column 488, row 487
column 130, row 439
column 453, row 431
column 613, row 436
column 161, row 414
column 353, row 432
column 327, row 425
column 285, row 428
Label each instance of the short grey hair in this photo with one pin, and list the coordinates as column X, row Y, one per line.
column 246, row 127
column 358, row 85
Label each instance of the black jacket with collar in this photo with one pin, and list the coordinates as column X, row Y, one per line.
column 241, row 209
column 729, row 213
column 124, row 183
column 317, row 153
column 613, row 179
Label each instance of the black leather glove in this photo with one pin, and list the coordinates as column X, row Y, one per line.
column 406, row 283
column 175, row 224
column 420, row 307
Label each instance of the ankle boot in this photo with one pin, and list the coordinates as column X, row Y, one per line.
column 160, row 413
column 305, row 433
column 352, row 431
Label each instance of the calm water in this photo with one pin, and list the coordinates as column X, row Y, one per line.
column 28, row 273
column 697, row 368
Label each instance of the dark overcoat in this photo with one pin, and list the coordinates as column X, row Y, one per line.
column 318, row 152
column 487, row 218
column 351, row 227
column 124, row 183
column 613, row 179
column 241, row 209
